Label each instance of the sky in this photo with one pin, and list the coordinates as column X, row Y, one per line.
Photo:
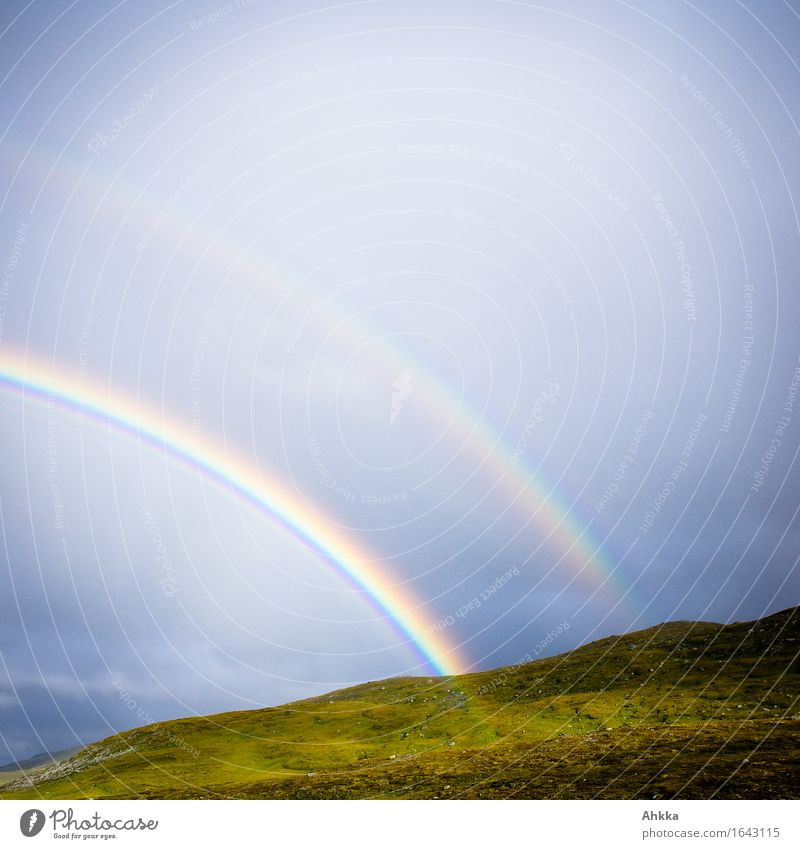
column 341, row 341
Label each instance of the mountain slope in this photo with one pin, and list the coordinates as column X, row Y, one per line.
column 42, row 759
column 682, row 709
column 19, row 769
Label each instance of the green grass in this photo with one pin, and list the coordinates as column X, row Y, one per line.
column 684, row 709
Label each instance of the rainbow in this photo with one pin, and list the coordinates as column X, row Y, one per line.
column 554, row 521
column 23, row 377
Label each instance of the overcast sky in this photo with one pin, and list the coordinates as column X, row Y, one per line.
column 490, row 286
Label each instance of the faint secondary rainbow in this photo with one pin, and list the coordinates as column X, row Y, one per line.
column 24, row 377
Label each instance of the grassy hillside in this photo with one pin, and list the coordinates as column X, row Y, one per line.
column 31, row 766
column 688, row 710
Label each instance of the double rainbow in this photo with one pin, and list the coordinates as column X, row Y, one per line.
column 554, row 521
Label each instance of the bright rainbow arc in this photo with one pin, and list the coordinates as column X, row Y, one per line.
column 22, row 376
